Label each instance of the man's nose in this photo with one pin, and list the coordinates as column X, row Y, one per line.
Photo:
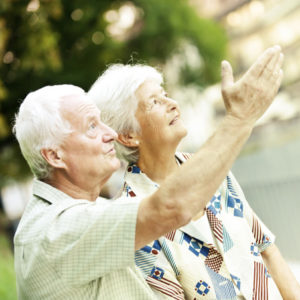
column 109, row 134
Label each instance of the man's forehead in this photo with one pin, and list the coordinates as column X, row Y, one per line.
column 77, row 104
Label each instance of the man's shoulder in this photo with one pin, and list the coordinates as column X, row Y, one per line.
column 33, row 221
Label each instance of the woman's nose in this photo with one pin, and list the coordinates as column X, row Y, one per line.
column 172, row 104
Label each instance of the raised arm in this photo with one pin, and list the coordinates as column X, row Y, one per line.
column 281, row 273
column 187, row 191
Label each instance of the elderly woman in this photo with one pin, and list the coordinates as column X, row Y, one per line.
column 219, row 254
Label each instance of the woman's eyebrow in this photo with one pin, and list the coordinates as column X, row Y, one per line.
column 160, row 91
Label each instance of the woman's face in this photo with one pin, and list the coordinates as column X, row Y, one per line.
column 158, row 116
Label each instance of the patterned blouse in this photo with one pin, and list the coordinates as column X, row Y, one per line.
column 216, row 257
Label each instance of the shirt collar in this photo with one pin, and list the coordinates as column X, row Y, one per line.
column 140, row 181
column 48, row 192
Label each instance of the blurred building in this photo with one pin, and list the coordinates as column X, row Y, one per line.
column 268, row 168
column 252, row 26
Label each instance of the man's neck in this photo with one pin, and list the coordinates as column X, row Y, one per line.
column 74, row 189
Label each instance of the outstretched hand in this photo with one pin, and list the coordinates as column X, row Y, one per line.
column 248, row 98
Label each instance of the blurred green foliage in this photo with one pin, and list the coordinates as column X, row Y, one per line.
column 46, row 42
column 7, row 274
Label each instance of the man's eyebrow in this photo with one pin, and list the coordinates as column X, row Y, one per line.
column 90, row 117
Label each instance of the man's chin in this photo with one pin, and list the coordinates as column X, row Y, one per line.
column 116, row 164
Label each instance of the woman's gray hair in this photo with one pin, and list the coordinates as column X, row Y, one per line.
column 39, row 125
column 114, row 94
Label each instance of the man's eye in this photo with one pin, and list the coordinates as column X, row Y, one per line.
column 93, row 125
column 155, row 101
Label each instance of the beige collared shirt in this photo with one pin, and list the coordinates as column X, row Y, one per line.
column 77, row 249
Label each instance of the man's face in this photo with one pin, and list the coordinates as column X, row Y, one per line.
column 88, row 151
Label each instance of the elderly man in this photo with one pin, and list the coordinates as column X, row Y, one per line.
column 70, row 244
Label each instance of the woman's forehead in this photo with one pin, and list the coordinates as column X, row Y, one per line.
column 149, row 88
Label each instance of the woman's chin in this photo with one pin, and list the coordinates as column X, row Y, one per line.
column 179, row 135
column 182, row 131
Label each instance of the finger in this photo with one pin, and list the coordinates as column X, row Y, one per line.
column 257, row 68
column 277, row 69
column 280, row 60
column 279, row 79
column 274, row 63
column 227, row 76
column 272, row 77
column 276, row 83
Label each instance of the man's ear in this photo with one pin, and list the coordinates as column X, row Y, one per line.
column 53, row 158
column 128, row 140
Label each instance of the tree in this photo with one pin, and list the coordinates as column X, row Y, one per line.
column 46, row 42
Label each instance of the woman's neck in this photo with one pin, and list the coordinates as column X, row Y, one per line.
column 157, row 165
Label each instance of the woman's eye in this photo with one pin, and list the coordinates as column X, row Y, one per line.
column 155, row 101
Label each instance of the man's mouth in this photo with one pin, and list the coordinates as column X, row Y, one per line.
column 112, row 151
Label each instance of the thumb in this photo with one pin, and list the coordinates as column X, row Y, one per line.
column 227, row 76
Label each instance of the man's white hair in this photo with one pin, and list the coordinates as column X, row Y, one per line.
column 39, row 125
column 114, row 94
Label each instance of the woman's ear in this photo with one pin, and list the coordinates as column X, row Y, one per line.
column 53, row 158
column 128, row 140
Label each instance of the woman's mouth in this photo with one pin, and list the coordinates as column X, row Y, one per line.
column 174, row 120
